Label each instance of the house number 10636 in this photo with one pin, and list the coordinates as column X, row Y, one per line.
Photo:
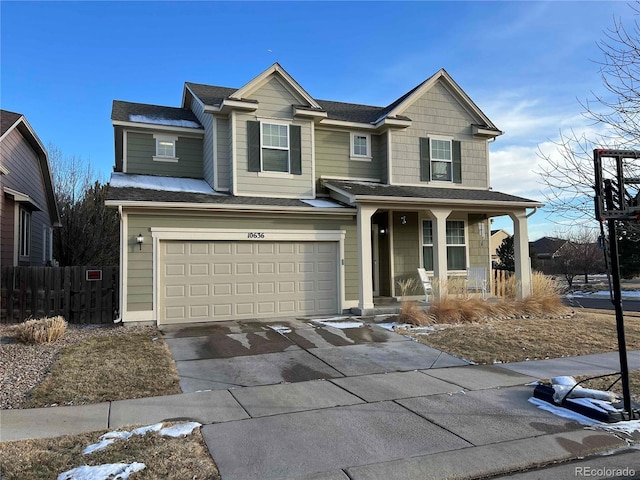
column 255, row 235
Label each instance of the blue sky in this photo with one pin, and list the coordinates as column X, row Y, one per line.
column 526, row 64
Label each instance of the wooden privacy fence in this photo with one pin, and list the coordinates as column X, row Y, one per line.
column 79, row 294
column 499, row 284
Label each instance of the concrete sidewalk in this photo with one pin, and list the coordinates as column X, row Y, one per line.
column 404, row 418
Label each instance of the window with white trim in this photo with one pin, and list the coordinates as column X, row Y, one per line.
column 165, row 148
column 360, row 146
column 456, row 245
column 275, row 147
column 47, row 244
column 25, row 233
column 441, row 159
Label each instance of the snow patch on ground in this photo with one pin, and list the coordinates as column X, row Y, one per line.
column 163, row 121
column 110, row 437
column 154, row 182
column 338, row 322
column 281, row 329
column 627, row 427
column 179, row 429
column 110, row 471
column 407, row 326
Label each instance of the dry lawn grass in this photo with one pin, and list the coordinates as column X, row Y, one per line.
column 109, row 368
column 172, row 458
column 519, row 339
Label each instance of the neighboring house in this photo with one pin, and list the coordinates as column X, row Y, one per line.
column 546, row 250
column 497, row 237
column 28, row 210
column 264, row 201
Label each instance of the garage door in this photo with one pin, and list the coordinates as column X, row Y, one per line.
column 203, row 281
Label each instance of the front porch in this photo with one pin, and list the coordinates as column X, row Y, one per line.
column 446, row 242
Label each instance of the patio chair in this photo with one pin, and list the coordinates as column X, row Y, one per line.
column 477, row 280
column 426, row 283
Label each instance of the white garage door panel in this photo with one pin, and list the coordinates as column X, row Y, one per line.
column 202, row 281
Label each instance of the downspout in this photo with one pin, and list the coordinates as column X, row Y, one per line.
column 121, row 261
column 535, row 209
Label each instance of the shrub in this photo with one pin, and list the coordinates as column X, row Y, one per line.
column 44, row 330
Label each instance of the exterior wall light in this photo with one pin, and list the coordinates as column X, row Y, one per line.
column 139, row 240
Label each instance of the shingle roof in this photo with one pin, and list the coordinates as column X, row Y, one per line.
column 382, row 190
column 547, row 245
column 122, row 111
column 128, row 194
column 210, row 94
column 7, row 119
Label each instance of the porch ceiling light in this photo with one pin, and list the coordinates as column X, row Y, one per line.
column 139, row 240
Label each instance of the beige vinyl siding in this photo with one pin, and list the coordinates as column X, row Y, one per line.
column 439, row 113
column 223, row 152
column 406, row 248
column 255, row 183
column 275, row 103
column 140, row 263
column 333, row 156
column 380, row 152
column 206, row 120
column 141, row 148
column 25, row 176
column 478, row 247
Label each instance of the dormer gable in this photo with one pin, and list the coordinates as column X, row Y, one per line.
column 482, row 126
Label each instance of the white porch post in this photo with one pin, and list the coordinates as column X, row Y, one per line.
column 440, row 246
column 364, row 257
column 521, row 254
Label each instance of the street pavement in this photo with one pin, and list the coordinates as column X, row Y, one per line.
column 290, row 399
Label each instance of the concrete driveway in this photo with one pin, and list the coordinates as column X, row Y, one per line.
column 362, row 402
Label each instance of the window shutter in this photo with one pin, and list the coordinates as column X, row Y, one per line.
column 296, row 149
column 457, row 162
column 253, row 138
column 425, row 160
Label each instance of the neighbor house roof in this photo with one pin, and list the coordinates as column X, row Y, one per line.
column 7, row 120
column 12, row 120
column 364, row 190
column 547, row 246
column 153, row 114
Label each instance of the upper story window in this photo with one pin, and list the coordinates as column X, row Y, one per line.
column 274, row 148
column 25, row 233
column 165, row 148
column 440, row 160
column 456, row 245
column 360, row 146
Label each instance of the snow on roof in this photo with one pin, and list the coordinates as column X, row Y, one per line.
column 321, row 203
column 169, row 184
column 163, row 121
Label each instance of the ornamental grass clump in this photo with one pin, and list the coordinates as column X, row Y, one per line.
column 410, row 312
column 44, row 330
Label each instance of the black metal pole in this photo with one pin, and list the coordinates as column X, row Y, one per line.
column 617, row 303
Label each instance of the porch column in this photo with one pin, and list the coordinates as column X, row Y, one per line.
column 521, row 254
column 440, row 247
column 364, row 257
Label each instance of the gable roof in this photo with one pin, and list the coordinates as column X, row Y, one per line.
column 548, row 246
column 153, row 114
column 12, row 120
column 7, row 120
column 350, row 112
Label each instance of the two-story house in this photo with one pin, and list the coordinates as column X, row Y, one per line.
column 264, row 201
column 28, row 210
